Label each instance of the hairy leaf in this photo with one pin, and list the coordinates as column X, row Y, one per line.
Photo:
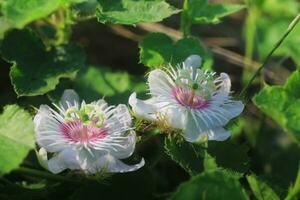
column 158, row 49
column 189, row 156
column 261, row 190
column 35, row 70
column 211, row 185
column 16, row 137
column 133, row 12
column 282, row 103
column 229, row 156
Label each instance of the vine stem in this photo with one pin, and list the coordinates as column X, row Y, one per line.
column 287, row 32
column 185, row 24
column 42, row 174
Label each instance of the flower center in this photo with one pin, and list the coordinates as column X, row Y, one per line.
column 77, row 132
column 188, row 98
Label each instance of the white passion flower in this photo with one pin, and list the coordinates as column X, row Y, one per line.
column 88, row 137
column 191, row 99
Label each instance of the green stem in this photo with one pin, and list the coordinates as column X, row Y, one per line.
column 185, row 24
column 287, row 32
column 42, row 174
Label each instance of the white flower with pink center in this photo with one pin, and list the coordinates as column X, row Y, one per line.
column 88, row 137
column 191, row 99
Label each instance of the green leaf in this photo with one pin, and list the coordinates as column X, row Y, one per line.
column 270, row 30
column 201, row 12
column 282, row 103
column 270, row 98
column 96, row 82
column 133, row 12
column 35, row 70
column 230, row 156
column 22, row 12
column 211, row 185
column 189, row 156
column 158, row 49
column 260, row 189
column 16, row 137
column 294, row 190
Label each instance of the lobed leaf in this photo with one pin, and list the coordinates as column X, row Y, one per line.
column 229, row 155
column 188, row 155
column 158, row 49
column 133, row 12
column 95, row 82
column 16, row 137
column 211, row 185
column 282, row 103
column 202, row 12
column 36, row 70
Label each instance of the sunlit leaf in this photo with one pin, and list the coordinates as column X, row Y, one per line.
column 270, row 30
column 157, row 49
column 282, row 103
column 133, row 12
column 203, row 12
column 16, row 137
column 35, row 70
column 211, row 185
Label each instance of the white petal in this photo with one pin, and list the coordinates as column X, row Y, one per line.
column 218, row 134
column 194, row 61
column 145, row 109
column 191, row 132
column 42, row 158
column 176, row 116
column 47, row 131
column 113, row 165
column 160, row 83
column 124, row 147
column 225, row 85
column 69, row 96
column 123, row 116
column 234, row 107
column 67, row 159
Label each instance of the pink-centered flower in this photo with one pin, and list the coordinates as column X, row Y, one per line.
column 191, row 99
column 89, row 137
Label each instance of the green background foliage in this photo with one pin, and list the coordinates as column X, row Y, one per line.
column 105, row 48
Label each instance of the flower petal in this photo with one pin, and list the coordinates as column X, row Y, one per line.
column 160, row 83
column 69, row 97
column 235, row 108
column 191, row 132
column 145, row 109
column 113, row 165
column 47, row 130
column 176, row 116
column 124, row 147
column 42, row 158
column 194, row 61
column 218, row 134
column 67, row 159
column 120, row 120
column 225, row 84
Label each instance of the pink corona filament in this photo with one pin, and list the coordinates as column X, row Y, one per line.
column 188, row 98
column 77, row 132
